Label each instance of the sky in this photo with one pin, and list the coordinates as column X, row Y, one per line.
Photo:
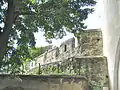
column 93, row 22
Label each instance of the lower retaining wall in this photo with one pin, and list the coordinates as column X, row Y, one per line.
column 33, row 82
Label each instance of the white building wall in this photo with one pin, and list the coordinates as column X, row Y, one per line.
column 111, row 33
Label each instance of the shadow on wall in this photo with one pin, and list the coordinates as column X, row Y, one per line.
column 15, row 88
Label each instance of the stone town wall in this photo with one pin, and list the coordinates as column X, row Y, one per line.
column 28, row 82
column 94, row 68
column 89, row 44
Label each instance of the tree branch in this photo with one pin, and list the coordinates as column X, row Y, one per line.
column 17, row 14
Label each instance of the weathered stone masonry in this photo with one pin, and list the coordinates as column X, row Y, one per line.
column 33, row 82
column 89, row 44
column 85, row 60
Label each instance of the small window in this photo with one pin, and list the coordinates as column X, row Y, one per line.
column 32, row 64
column 65, row 49
column 57, row 53
column 98, row 39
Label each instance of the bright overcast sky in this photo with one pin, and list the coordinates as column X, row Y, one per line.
column 92, row 22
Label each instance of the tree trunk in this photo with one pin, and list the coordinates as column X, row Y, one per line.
column 111, row 34
column 6, row 30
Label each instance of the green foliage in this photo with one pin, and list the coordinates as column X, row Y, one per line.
column 36, row 51
column 33, row 1
column 54, row 17
column 15, row 62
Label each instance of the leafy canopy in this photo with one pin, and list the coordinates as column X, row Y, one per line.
column 54, row 17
